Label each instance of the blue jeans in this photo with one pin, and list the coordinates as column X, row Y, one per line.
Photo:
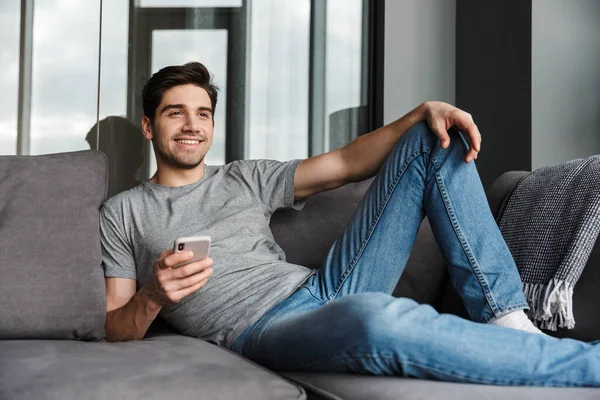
column 344, row 318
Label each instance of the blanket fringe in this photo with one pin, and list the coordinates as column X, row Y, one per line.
column 551, row 304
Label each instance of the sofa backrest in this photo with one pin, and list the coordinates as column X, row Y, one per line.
column 49, row 212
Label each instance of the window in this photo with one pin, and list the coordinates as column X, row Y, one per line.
column 295, row 76
column 9, row 79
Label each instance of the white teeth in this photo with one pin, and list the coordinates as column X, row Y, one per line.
column 188, row 141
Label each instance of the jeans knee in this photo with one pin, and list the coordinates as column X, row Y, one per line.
column 422, row 133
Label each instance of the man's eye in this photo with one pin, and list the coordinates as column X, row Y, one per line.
column 175, row 113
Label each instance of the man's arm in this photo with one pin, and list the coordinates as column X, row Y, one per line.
column 362, row 158
column 129, row 314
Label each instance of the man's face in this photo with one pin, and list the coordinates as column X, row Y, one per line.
column 183, row 128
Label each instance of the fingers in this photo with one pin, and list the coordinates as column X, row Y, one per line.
column 192, row 268
column 165, row 254
column 442, row 116
column 464, row 122
column 471, row 129
column 173, row 259
column 475, row 138
column 180, row 284
column 172, row 284
column 180, row 294
column 439, row 128
column 169, row 285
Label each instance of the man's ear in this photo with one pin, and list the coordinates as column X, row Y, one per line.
column 147, row 128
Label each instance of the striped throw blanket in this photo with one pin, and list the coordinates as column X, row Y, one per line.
column 550, row 221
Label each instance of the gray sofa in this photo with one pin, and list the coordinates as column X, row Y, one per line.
column 52, row 302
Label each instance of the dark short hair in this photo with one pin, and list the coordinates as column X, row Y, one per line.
column 193, row 73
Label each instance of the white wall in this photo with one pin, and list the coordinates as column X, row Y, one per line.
column 565, row 80
column 419, row 54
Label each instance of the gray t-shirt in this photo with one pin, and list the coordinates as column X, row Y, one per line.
column 232, row 204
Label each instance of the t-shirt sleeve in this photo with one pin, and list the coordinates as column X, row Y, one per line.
column 117, row 253
column 274, row 183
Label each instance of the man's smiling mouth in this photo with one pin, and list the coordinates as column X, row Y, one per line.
column 187, row 141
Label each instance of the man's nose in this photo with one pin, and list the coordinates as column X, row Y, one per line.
column 192, row 124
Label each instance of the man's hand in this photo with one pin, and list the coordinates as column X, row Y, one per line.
column 169, row 285
column 442, row 116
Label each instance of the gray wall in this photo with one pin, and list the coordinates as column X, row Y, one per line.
column 493, row 81
column 528, row 71
column 565, row 80
column 419, row 54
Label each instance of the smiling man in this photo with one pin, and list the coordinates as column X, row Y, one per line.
column 341, row 318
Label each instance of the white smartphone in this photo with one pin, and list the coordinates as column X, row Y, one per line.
column 199, row 245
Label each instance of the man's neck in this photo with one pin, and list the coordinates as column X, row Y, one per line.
column 168, row 176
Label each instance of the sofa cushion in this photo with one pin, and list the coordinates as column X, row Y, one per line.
column 52, row 282
column 307, row 235
column 360, row 387
column 502, row 187
column 161, row 367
